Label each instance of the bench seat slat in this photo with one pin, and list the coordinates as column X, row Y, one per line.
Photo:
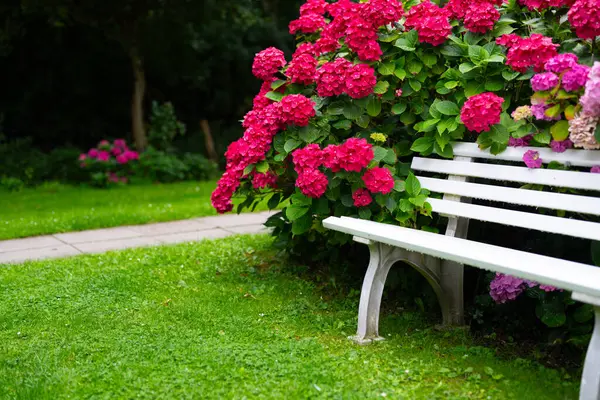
column 580, row 158
column 534, row 198
column 570, row 179
column 540, row 222
column 576, row 277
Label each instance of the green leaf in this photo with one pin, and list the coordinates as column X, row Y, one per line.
column 275, row 96
column 445, row 151
column 274, row 201
column 400, row 186
column 398, row 108
column 302, row 225
column 400, row 73
column 336, row 108
column 466, row 67
column 509, row 75
column 494, row 85
column 414, row 67
column 380, row 153
column 429, row 59
column 343, row 124
column 390, row 157
column 363, row 121
column 387, row 68
column 473, row 88
column 351, row 111
column 447, row 108
column 381, row 87
column 291, row 144
column 406, row 206
column 414, row 84
column 301, row 200
column 322, row 206
column 408, row 118
column 413, row 186
column 293, row 212
column 552, row 314
column 364, row 213
column 543, row 137
column 419, row 200
column 451, row 84
column 309, row 134
column 373, row 107
column 560, row 130
column 452, row 50
column 277, row 84
column 388, row 37
column 496, row 139
column 422, row 144
column 347, row 200
column 584, row 313
column 262, row 167
column 408, row 42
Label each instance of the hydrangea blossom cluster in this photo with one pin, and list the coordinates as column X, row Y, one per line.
column 111, row 159
column 504, row 288
column 532, row 159
column 481, row 111
column 379, row 180
column 590, row 101
column 481, row 17
column 584, row 16
column 362, row 198
column 340, row 76
column 524, row 53
column 430, row 21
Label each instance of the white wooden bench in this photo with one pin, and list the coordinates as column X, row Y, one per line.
column 440, row 258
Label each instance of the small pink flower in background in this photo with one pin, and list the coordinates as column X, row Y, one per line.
column 561, row 63
column 132, row 155
column 122, row 159
column 532, row 159
column 261, row 181
column 548, row 288
column 120, row 143
column 124, row 179
column 104, row 144
column 116, row 151
column 112, row 177
column 575, row 78
column 362, row 198
column 544, row 81
column 93, row 153
column 82, row 157
column 595, row 169
column 561, row 146
column 520, row 142
column 506, row 288
column 103, row 156
column 398, row 92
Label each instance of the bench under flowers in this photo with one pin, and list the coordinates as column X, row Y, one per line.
column 440, row 258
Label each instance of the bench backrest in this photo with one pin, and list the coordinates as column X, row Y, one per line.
column 468, row 164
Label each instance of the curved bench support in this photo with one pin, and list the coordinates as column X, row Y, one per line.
column 444, row 277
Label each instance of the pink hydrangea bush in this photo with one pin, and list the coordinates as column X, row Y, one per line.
column 109, row 163
column 373, row 83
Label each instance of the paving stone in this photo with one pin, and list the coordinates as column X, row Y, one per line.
column 62, row 250
column 118, row 244
column 249, row 229
column 193, row 236
column 29, row 243
column 234, row 220
column 164, row 228
column 97, row 235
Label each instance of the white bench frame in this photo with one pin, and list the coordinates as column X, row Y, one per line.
column 441, row 258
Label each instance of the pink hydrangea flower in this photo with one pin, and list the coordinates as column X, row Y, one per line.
column 532, row 159
column 584, row 16
column 131, row 155
column 379, row 180
column 122, row 159
column 544, row 81
column 398, row 93
column 539, row 112
column 264, row 180
column 331, row 77
column 103, row 156
column 302, row 69
column 505, row 288
column 312, row 183
column 520, row 142
column 115, row 151
column 310, row 157
column 360, row 81
column 590, row 101
column 561, row 146
column 595, row 169
column 361, row 38
column 308, row 23
column 575, row 78
column 362, row 198
column 481, row 17
column 331, row 157
column 430, row 21
column 267, row 63
column 381, row 12
column 82, row 157
column 354, row 155
column 561, row 63
column 93, row 153
column 297, row 109
column 120, row 143
column 313, row 7
column 524, row 53
column 481, row 111
column 104, row 144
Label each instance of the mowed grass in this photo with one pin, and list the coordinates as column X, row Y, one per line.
column 60, row 208
column 225, row 319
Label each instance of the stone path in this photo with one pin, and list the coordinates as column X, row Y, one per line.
column 125, row 237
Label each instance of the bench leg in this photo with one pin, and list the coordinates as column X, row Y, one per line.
column 590, row 381
column 451, row 281
column 370, row 296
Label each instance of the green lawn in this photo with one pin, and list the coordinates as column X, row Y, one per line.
column 58, row 208
column 224, row 319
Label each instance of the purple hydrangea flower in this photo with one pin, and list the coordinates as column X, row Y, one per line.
column 595, row 169
column 532, row 159
column 506, row 288
column 561, row 146
column 575, row 78
column 561, row 63
column 548, row 288
column 544, row 81
column 591, row 99
column 520, row 142
column 538, row 111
